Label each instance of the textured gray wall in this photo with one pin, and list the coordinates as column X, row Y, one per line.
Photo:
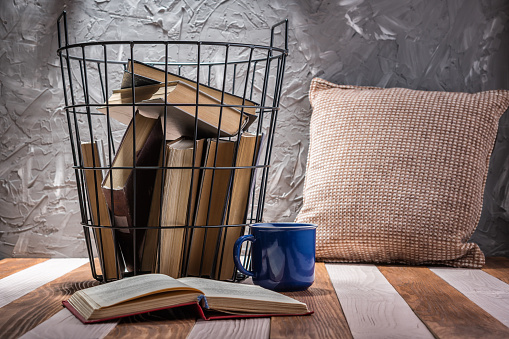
column 457, row 45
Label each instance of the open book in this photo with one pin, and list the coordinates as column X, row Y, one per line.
column 151, row 292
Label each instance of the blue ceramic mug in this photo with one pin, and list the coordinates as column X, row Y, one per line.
column 282, row 255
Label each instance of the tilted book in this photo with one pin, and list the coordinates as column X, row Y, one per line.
column 182, row 111
column 151, row 292
column 129, row 184
column 154, row 73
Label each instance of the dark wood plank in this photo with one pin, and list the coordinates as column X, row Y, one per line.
column 445, row 311
column 175, row 323
column 497, row 267
column 23, row 314
column 10, row 266
column 328, row 320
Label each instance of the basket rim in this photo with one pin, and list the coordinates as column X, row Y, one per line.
column 171, row 42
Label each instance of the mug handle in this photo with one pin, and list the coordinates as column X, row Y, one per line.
column 236, row 254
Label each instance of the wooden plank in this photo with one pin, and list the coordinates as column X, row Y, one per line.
column 328, row 321
column 65, row 325
column 175, row 323
column 24, row 313
column 233, row 328
column 10, row 266
column 20, row 283
column 373, row 308
column 497, row 267
column 444, row 310
column 488, row 292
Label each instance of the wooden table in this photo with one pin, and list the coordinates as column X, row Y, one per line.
column 360, row 301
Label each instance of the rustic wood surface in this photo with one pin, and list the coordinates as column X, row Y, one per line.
column 444, row 310
column 232, row 328
column 10, row 266
column 174, row 323
column 387, row 300
column 24, row 313
column 328, row 321
column 64, row 325
column 372, row 306
column 488, row 292
column 20, row 283
column 497, row 267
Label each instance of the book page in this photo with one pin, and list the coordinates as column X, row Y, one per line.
column 134, row 287
column 223, row 289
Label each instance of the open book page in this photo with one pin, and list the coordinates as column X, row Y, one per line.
column 219, row 294
column 133, row 287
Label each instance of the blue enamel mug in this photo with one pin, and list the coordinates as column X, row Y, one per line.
column 282, row 255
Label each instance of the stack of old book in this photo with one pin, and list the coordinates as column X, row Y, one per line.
column 181, row 163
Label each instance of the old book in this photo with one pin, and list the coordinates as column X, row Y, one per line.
column 180, row 120
column 247, row 154
column 128, row 78
column 113, row 264
column 179, row 200
column 129, row 184
column 158, row 74
column 124, row 96
column 151, row 242
column 151, row 292
column 210, row 210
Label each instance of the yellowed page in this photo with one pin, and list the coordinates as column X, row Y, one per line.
column 133, row 287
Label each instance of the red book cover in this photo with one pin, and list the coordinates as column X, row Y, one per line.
column 198, row 310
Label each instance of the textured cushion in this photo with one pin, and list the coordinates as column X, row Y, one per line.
column 397, row 175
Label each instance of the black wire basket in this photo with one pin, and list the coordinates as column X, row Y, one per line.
column 173, row 190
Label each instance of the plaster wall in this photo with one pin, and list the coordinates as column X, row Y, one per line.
column 453, row 45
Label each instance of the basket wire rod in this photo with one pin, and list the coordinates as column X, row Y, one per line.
column 66, row 36
column 69, row 125
column 234, row 76
column 264, row 175
column 232, row 173
column 253, row 80
column 277, row 91
column 210, row 71
column 164, row 154
column 83, row 68
column 284, row 22
column 79, row 178
column 196, row 117
column 81, row 172
column 190, row 219
column 101, row 81
column 135, row 174
column 234, row 161
column 111, row 151
column 200, row 271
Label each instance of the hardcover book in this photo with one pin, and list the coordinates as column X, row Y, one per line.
column 151, row 292
column 179, row 199
column 128, row 186
column 181, row 111
column 112, row 264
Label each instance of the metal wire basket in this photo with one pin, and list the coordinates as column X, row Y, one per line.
column 93, row 72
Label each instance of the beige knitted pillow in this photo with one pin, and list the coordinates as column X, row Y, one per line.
column 397, row 175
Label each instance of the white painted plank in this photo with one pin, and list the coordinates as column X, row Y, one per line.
column 20, row 283
column 66, row 326
column 372, row 307
column 488, row 292
column 256, row 328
